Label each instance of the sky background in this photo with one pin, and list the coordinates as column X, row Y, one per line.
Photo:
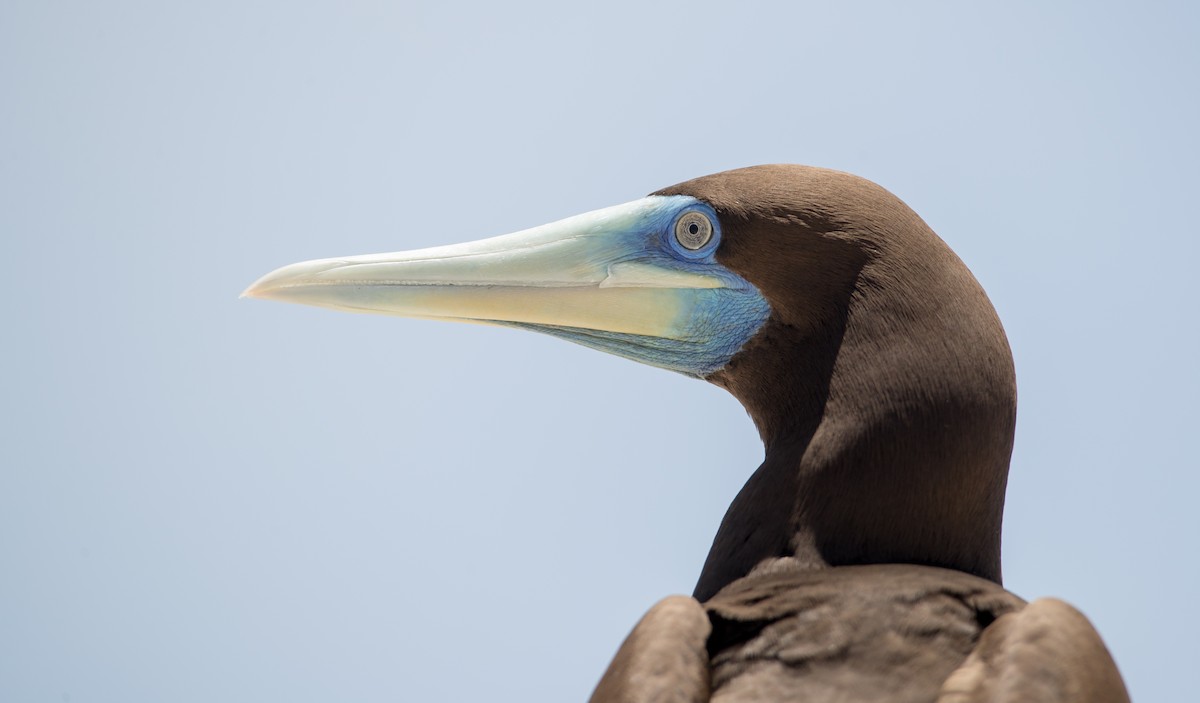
column 207, row 499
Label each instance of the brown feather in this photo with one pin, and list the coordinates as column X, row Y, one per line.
column 883, row 388
column 882, row 384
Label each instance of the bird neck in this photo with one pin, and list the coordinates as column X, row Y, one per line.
column 889, row 489
column 881, row 449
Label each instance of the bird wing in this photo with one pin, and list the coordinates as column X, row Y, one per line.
column 664, row 659
column 1046, row 652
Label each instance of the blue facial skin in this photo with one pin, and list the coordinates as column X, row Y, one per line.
column 718, row 321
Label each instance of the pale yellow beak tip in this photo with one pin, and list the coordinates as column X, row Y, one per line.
column 281, row 278
column 255, row 290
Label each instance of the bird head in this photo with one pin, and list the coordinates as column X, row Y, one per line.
column 866, row 353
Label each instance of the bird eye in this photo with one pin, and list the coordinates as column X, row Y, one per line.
column 693, row 230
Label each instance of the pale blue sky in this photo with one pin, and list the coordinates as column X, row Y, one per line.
column 207, row 499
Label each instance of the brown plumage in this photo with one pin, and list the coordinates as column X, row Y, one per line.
column 861, row 561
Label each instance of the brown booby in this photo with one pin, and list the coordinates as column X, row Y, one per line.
column 861, row 561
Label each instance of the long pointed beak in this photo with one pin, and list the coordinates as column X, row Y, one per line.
column 608, row 272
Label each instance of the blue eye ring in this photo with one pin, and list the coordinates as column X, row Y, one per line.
column 695, row 233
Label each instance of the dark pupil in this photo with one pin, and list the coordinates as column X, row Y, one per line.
column 693, row 228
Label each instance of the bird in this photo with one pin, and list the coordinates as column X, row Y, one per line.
column 861, row 559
